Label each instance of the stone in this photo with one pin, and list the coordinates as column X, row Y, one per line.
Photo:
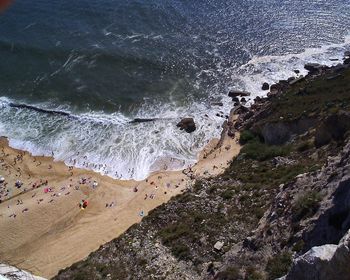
column 290, row 79
column 217, row 104
column 187, row 124
column 235, row 99
column 301, row 78
column 265, row 86
column 313, row 67
column 218, row 245
column 138, row 120
column 237, row 93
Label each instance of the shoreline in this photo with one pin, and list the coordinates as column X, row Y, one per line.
column 46, row 230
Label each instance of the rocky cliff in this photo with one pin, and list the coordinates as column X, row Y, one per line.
column 286, row 192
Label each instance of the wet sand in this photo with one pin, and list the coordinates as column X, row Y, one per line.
column 42, row 227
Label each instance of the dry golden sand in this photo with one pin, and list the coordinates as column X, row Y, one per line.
column 54, row 232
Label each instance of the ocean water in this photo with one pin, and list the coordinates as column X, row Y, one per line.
column 104, row 63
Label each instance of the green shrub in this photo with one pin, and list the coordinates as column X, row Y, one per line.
column 181, row 252
column 304, row 146
column 253, row 274
column 306, row 205
column 227, row 194
column 80, row 275
column 260, row 151
column 279, row 265
column 173, row 232
column 258, row 212
column 197, row 185
column 231, row 273
column 211, row 190
column 245, row 137
column 299, row 246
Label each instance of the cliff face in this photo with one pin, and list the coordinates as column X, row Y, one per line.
column 287, row 191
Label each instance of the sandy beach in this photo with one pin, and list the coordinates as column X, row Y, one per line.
column 43, row 229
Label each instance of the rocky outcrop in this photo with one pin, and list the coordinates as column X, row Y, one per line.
column 187, row 124
column 314, row 68
column 323, row 263
column 277, row 133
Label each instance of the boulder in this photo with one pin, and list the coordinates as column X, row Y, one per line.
column 296, row 71
column 187, row 124
column 240, row 110
column 235, row 99
column 218, row 245
column 265, row 86
column 313, row 68
column 237, row 93
column 290, row 79
column 323, row 262
column 275, row 88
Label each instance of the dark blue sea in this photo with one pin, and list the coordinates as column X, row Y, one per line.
column 104, row 63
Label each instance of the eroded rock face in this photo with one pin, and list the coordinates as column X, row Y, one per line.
column 277, row 133
column 323, row 262
column 187, row 124
column 334, row 127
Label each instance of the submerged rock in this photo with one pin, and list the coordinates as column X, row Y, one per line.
column 217, row 104
column 187, row 124
column 237, row 93
column 265, row 86
column 139, row 120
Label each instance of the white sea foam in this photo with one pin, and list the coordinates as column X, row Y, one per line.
column 110, row 144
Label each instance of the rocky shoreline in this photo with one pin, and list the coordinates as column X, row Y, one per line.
column 286, row 192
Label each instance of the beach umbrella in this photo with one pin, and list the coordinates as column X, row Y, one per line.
column 85, row 203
